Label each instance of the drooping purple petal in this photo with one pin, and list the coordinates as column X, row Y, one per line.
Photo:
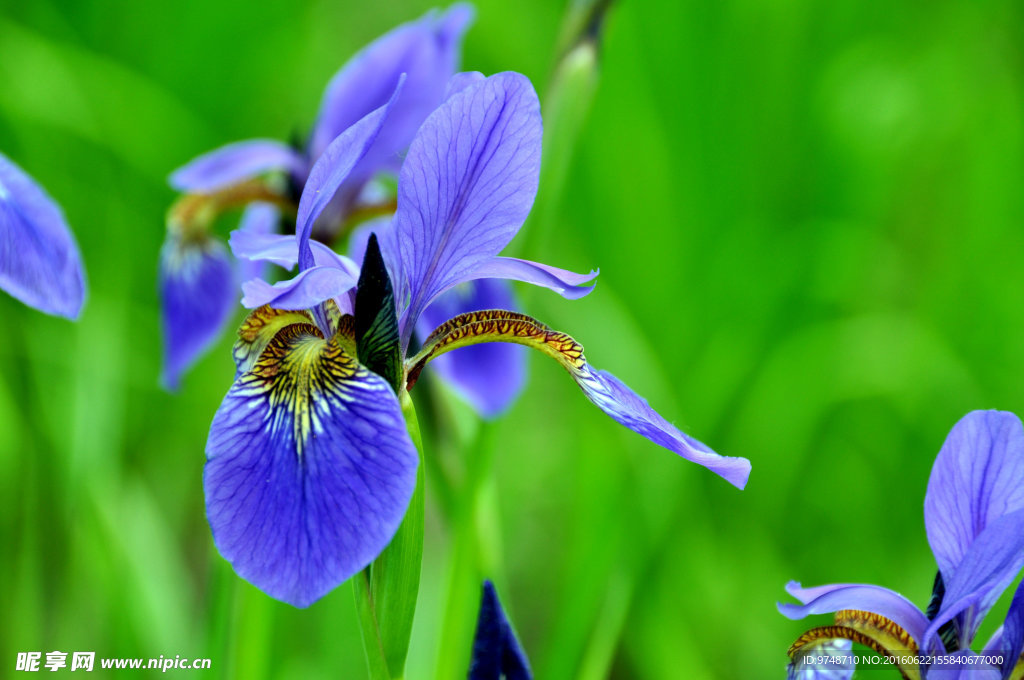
column 875, row 599
column 496, row 651
column 566, row 283
column 282, row 250
column 991, row 563
column 628, row 408
column 309, row 468
column 333, row 167
column 977, row 477
column 197, row 296
column 426, row 50
column 489, row 376
column 39, row 259
column 306, row 290
column 466, row 186
column 235, row 163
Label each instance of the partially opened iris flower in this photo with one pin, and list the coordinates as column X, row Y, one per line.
column 198, row 277
column 974, row 518
column 310, row 467
column 39, row 260
column 496, row 650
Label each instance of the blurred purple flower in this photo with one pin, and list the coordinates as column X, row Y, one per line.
column 496, row 651
column 309, row 465
column 974, row 518
column 39, row 260
column 198, row 278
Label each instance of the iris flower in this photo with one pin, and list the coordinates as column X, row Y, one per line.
column 198, row 277
column 39, row 260
column 496, row 651
column 310, row 467
column 974, row 519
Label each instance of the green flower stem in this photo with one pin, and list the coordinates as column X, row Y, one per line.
column 475, row 554
column 386, row 591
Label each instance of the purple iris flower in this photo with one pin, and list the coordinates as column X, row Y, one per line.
column 496, row 651
column 309, row 465
column 39, row 260
column 198, row 278
column 974, row 519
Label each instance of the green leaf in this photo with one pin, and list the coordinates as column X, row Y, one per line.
column 386, row 591
column 377, row 343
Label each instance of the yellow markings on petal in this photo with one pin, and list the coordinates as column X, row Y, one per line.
column 258, row 329
column 302, row 376
column 878, row 633
column 496, row 325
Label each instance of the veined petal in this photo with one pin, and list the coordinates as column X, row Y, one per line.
column 427, row 50
column 978, row 476
column 466, row 186
column 258, row 329
column 283, row 250
column 304, row 291
column 197, row 296
column 39, row 259
column 566, row 283
column 990, row 564
column 333, row 167
column 234, row 163
column 489, row 376
column 496, row 651
column 854, row 596
column 603, row 389
column 309, row 467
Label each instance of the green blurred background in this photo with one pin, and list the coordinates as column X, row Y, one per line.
column 807, row 217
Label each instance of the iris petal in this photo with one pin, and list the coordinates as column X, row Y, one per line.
column 603, row 389
column 306, row 290
column 234, row 163
column 39, row 259
column 282, row 250
column 309, row 467
column 989, row 566
column 197, row 296
column 426, row 49
column 488, row 376
column 333, row 168
column 869, row 598
column 257, row 219
column 977, row 477
column 496, row 651
column 466, row 186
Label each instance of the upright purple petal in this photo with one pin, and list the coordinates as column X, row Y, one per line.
column 282, row 250
column 333, row 168
column 496, row 651
column 467, row 184
column 234, row 163
column 197, row 295
column 628, row 408
column 489, row 376
column 309, row 468
column 427, row 51
column 978, row 476
column 39, row 259
column 991, row 563
column 869, row 598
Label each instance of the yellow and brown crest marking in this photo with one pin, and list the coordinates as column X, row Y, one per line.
column 876, row 632
column 496, row 325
